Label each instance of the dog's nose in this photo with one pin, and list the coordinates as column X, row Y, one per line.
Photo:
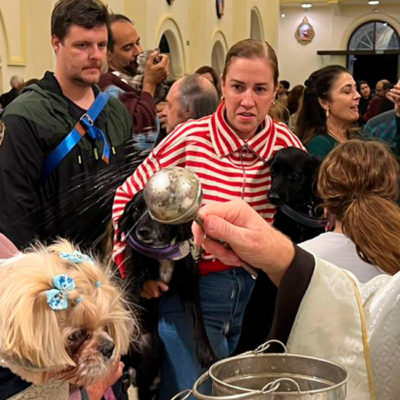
column 107, row 348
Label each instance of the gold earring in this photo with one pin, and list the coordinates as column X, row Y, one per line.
column 327, row 112
column 222, row 98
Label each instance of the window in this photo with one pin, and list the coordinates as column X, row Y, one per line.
column 376, row 35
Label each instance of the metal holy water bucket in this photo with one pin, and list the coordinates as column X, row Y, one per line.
column 277, row 376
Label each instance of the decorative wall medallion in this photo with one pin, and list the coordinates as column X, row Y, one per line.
column 220, row 5
column 170, row 2
column 305, row 32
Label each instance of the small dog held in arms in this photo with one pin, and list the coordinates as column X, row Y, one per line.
column 293, row 192
column 137, row 81
column 62, row 320
column 158, row 251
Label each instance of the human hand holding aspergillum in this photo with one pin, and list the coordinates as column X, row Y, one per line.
column 249, row 236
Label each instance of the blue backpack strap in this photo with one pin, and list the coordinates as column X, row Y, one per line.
column 85, row 124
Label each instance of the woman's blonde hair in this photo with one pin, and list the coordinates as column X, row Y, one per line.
column 358, row 184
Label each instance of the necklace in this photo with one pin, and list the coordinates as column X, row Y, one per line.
column 339, row 140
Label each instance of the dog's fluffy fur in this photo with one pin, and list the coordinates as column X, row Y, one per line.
column 78, row 344
column 137, row 81
column 293, row 174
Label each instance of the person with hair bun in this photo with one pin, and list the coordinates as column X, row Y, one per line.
column 358, row 185
column 329, row 109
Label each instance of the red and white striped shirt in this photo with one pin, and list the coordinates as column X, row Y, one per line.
column 227, row 166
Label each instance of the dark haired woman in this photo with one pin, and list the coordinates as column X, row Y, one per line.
column 329, row 110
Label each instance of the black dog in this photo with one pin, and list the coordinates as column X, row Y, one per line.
column 151, row 248
column 293, row 174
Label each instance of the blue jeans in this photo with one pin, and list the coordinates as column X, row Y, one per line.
column 224, row 296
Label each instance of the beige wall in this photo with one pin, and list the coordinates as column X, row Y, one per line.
column 194, row 28
column 333, row 27
column 196, row 35
column 191, row 26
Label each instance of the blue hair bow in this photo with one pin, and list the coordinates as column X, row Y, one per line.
column 57, row 298
column 76, row 257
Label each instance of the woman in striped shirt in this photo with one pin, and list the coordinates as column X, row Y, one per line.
column 228, row 151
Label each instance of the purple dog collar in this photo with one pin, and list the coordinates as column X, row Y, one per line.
column 174, row 252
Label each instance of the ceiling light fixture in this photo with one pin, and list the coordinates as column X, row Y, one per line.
column 283, row 15
column 306, row 5
column 373, row 2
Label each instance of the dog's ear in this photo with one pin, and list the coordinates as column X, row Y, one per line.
column 29, row 330
column 314, row 166
column 315, row 163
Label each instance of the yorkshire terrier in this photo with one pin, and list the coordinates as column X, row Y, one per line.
column 61, row 317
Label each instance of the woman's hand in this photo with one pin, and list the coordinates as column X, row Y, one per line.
column 153, row 289
column 394, row 96
column 249, row 236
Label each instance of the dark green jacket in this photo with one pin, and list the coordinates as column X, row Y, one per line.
column 75, row 200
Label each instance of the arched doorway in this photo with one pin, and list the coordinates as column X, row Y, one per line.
column 169, row 39
column 218, row 57
column 374, row 49
column 256, row 31
column 169, row 45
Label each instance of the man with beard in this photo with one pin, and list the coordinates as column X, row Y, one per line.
column 123, row 49
column 65, row 192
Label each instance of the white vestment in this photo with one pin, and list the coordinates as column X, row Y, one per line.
column 355, row 325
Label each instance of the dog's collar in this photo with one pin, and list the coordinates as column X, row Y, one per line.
column 304, row 219
column 173, row 252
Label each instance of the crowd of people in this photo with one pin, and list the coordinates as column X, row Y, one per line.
column 79, row 144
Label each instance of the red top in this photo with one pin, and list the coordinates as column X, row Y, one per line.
column 227, row 166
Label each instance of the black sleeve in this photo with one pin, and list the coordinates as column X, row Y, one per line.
column 291, row 290
column 20, row 168
column 10, row 384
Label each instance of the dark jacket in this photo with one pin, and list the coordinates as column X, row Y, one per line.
column 8, row 97
column 75, row 200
